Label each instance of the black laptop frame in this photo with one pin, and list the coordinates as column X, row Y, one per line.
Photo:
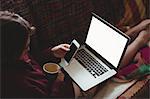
column 97, row 54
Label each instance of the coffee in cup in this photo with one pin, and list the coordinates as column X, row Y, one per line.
column 51, row 68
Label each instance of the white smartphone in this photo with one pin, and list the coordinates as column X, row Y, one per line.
column 74, row 46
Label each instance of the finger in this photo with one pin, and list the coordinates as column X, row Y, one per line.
column 55, row 48
column 148, row 21
column 61, row 46
column 65, row 48
column 66, row 45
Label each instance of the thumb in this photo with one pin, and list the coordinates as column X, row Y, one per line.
column 65, row 48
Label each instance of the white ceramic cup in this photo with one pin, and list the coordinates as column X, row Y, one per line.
column 51, row 68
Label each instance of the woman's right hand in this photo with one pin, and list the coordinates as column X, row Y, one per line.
column 59, row 51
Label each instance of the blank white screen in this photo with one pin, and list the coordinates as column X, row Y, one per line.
column 106, row 41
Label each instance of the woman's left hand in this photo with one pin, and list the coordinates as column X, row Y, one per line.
column 60, row 50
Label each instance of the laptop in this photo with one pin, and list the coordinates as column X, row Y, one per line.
column 98, row 58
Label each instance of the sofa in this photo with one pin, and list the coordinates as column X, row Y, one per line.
column 61, row 21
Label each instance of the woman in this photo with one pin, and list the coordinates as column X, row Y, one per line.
column 22, row 76
column 136, row 61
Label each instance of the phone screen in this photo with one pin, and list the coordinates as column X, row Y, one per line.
column 71, row 52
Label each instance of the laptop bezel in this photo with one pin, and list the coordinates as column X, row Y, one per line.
column 117, row 30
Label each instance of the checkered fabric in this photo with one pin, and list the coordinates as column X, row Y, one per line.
column 60, row 21
column 57, row 21
column 110, row 10
column 18, row 6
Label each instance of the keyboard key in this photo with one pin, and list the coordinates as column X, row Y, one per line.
column 91, row 64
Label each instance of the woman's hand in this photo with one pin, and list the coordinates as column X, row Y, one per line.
column 60, row 50
column 144, row 24
column 143, row 38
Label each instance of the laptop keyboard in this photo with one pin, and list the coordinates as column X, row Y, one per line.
column 91, row 64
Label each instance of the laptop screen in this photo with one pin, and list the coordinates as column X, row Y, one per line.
column 106, row 41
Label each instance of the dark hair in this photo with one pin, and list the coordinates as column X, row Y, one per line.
column 14, row 34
